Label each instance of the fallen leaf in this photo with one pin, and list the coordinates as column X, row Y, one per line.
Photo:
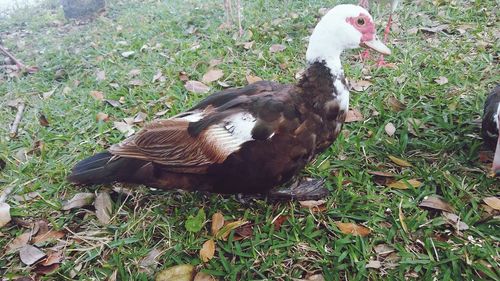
column 401, row 216
column 373, row 264
column 196, row 87
column 136, row 82
column 381, row 174
column 278, row 221
column 78, row 201
column 248, row 45
column 207, row 250
column 124, row 128
column 493, row 202
column 43, row 120
column 101, row 116
column 217, row 223
column 252, row 79
column 97, row 95
column 390, row 129
column 128, row 54
column 213, row 74
column 360, row 85
column 134, row 72
column 100, row 75
column 4, row 214
column 354, row 115
column 140, row 117
column 311, row 203
column 158, row 77
column 214, row 62
column 455, row 221
column 184, row 272
column 441, row 80
column 49, row 235
column 30, row 254
column 18, row 242
column 434, row 29
column 103, row 207
column 53, row 257
column 114, row 85
column 395, row 104
column 314, row 277
column 183, row 76
column 436, row 203
column 150, row 259
column 400, row 162
column 242, row 232
column 226, row 229
column 403, row 184
column 354, row 229
column 195, row 223
column 223, row 84
column 113, row 103
column 44, row 270
column 277, row 48
column 202, row 276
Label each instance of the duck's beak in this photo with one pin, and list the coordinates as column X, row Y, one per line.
column 376, row 45
column 496, row 159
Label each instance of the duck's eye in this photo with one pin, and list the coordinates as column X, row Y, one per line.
column 361, row 21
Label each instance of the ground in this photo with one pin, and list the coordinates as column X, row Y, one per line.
column 444, row 62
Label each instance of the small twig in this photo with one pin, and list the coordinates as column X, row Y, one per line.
column 17, row 120
column 30, row 69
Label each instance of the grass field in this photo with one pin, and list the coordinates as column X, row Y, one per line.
column 436, row 130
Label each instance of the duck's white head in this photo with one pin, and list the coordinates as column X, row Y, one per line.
column 343, row 27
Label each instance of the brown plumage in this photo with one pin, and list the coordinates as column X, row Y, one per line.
column 246, row 140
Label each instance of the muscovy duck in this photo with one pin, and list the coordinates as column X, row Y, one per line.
column 491, row 126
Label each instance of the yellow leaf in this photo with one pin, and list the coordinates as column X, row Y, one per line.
column 183, row 272
column 403, row 184
column 354, row 229
column 493, row 202
column 402, row 217
column 217, row 222
column 223, row 233
column 207, row 250
column 400, row 162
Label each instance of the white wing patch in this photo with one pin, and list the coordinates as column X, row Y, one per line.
column 195, row 117
column 231, row 133
column 343, row 94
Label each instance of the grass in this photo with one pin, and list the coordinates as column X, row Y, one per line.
column 444, row 153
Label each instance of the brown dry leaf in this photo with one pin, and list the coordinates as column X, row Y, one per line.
column 214, row 62
column 78, row 201
column 217, row 223
column 315, row 277
column 354, row 115
column 101, row 116
column 278, row 221
column 401, row 216
column 196, row 87
column 493, row 202
column 390, row 129
column 382, row 174
column 49, row 235
column 400, row 162
column 183, row 76
column 276, row 48
column 97, row 95
column 150, row 261
column 100, row 75
column 434, row 29
column 136, row 82
column 114, row 85
column 207, row 250
column 403, row 184
column 113, row 103
column 103, row 207
column 183, row 272
column 43, row 120
column 212, row 75
column 373, row 264
column 52, row 258
column 202, row 276
column 354, row 229
column 252, row 79
column 441, row 80
column 44, row 270
column 124, row 128
column 360, row 85
column 4, row 214
column 455, row 221
column 158, row 77
column 140, row 117
column 436, row 203
column 128, row 54
column 30, row 254
column 395, row 104
column 243, row 232
column 134, row 72
column 18, row 242
column 311, row 203
column 383, row 249
column 224, row 232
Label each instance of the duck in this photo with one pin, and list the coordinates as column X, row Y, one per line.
column 491, row 126
column 250, row 140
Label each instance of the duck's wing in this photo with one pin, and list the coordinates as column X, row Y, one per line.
column 210, row 132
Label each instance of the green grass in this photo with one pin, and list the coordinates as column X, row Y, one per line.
column 444, row 154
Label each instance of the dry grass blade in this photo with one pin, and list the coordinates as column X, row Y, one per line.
column 400, row 162
column 224, row 232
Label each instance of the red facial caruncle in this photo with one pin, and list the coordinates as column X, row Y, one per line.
column 363, row 24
